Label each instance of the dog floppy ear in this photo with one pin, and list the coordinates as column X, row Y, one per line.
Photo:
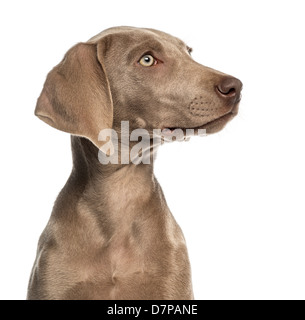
column 76, row 96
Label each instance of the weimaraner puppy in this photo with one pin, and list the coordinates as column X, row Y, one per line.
column 111, row 234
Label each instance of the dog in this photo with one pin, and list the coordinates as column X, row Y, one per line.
column 111, row 234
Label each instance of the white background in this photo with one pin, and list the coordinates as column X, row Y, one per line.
column 238, row 195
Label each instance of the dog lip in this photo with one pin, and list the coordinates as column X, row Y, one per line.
column 227, row 116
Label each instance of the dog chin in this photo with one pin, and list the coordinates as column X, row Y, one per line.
column 218, row 124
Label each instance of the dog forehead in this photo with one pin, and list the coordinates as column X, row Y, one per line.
column 138, row 35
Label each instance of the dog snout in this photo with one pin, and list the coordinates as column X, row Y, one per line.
column 230, row 89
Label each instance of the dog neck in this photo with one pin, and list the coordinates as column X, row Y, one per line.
column 118, row 196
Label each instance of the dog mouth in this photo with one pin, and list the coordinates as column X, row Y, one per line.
column 207, row 128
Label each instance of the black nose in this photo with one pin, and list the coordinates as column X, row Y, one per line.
column 230, row 88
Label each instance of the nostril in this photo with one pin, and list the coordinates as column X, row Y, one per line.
column 229, row 87
column 231, row 92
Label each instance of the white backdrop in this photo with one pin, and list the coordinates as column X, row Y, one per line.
column 238, row 195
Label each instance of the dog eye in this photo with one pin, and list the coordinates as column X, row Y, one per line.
column 148, row 60
column 189, row 50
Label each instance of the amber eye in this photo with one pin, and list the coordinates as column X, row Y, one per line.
column 147, row 60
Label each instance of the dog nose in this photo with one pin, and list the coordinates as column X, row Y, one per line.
column 230, row 88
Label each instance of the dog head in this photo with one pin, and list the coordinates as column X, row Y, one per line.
column 143, row 76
